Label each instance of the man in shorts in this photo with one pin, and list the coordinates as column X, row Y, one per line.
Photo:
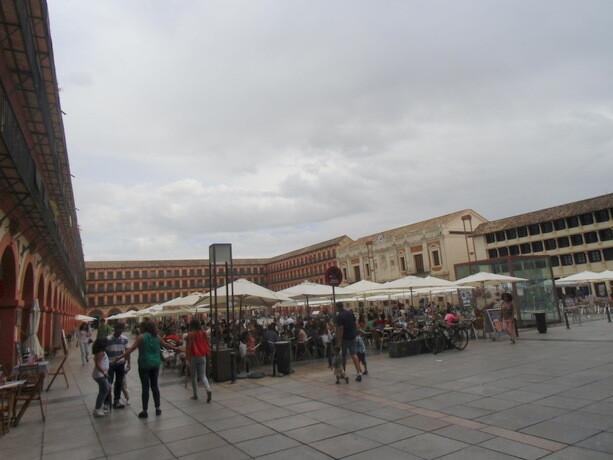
column 346, row 333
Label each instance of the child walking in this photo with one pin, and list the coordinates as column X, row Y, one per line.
column 361, row 346
column 337, row 366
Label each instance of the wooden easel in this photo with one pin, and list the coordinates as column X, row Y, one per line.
column 60, row 369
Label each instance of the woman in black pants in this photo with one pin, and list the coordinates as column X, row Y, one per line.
column 149, row 362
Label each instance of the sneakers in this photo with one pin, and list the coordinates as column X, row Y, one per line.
column 346, row 379
column 118, row 405
column 143, row 414
column 358, row 378
column 209, row 395
column 105, row 408
column 194, row 397
column 127, row 400
column 338, row 381
column 158, row 411
column 99, row 413
column 365, row 373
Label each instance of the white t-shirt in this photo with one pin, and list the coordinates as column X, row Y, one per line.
column 104, row 364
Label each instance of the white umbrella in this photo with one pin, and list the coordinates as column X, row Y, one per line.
column 487, row 277
column 85, row 318
column 149, row 311
column 363, row 287
column 584, row 277
column 606, row 275
column 307, row 290
column 414, row 282
column 183, row 302
column 32, row 341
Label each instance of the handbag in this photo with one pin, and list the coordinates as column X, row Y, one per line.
column 90, row 341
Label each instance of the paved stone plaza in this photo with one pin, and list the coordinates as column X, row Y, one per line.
column 548, row 396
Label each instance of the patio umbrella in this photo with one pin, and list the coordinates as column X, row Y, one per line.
column 414, row 282
column 248, row 294
column 183, row 302
column 32, row 341
column 487, row 277
column 308, row 290
column 87, row 319
column 584, row 277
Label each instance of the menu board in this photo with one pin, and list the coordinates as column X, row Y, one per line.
column 493, row 322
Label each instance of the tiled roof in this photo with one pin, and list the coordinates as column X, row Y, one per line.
column 549, row 214
column 324, row 244
column 416, row 227
column 164, row 263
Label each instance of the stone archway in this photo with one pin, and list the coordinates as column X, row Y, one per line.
column 8, row 278
column 27, row 294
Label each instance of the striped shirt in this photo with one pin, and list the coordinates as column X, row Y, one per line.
column 116, row 347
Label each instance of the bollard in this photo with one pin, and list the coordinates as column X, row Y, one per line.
column 608, row 314
column 566, row 319
column 233, row 367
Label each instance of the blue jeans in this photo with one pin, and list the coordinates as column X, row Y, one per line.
column 83, row 346
column 104, row 387
column 197, row 368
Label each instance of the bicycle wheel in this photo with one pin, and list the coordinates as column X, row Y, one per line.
column 435, row 342
column 460, row 339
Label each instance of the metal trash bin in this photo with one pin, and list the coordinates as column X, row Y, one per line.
column 222, row 363
column 283, row 358
column 541, row 321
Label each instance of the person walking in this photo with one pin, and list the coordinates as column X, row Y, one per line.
column 346, row 333
column 117, row 344
column 100, row 375
column 507, row 312
column 84, row 338
column 149, row 362
column 104, row 330
column 196, row 350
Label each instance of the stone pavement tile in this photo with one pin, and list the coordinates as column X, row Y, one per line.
column 601, row 407
column 423, row 423
column 301, row 453
column 455, row 397
column 536, row 411
column 452, row 385
column 362, row 406
column 389, row 413
column 546, row 388
column 160, row 424
column 290, row 400
column 331, row 413
column 492, row 404
column 227, row 423
column 150, row 453
column 27, row 452
column 244, row 433
column 584, row 393
column 114, row 445
column 508, row 421
column 586, row 420
column 290, row 423
column 466, row 423
column 388, row 433
column 506, row 446
column 431, row 404
column 563, row 402
column 217, row 414
column 271, row 414
column 344, row 445
column 602, row 442
column 460, row 433
column 226, row 452
column 51, row 446
column 306, row 406
column 256, row 407
column 466, row 411
column 477, row 453
column 182, row 432
column 196, row 444
column 316, row 432
column 489, row 389
column 577, row 453
column 520, row 396
column 355, row 422
column 561, row 432
column 384, row 452
column 429, row 445
column 85, row 453
column 266, row 445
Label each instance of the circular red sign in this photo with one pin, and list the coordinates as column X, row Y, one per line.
column 333, row 276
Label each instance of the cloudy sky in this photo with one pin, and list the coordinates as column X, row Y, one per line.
column 274, row 125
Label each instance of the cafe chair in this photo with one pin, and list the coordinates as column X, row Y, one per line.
column 31, row 390
column 379, row 339
column 304, row 347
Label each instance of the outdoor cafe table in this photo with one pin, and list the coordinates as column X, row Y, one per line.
column 10, row 389
column 43, row 366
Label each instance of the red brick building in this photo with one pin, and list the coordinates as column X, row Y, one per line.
column 40, row 245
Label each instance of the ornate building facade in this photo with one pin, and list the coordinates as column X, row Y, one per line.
column 40, row 244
